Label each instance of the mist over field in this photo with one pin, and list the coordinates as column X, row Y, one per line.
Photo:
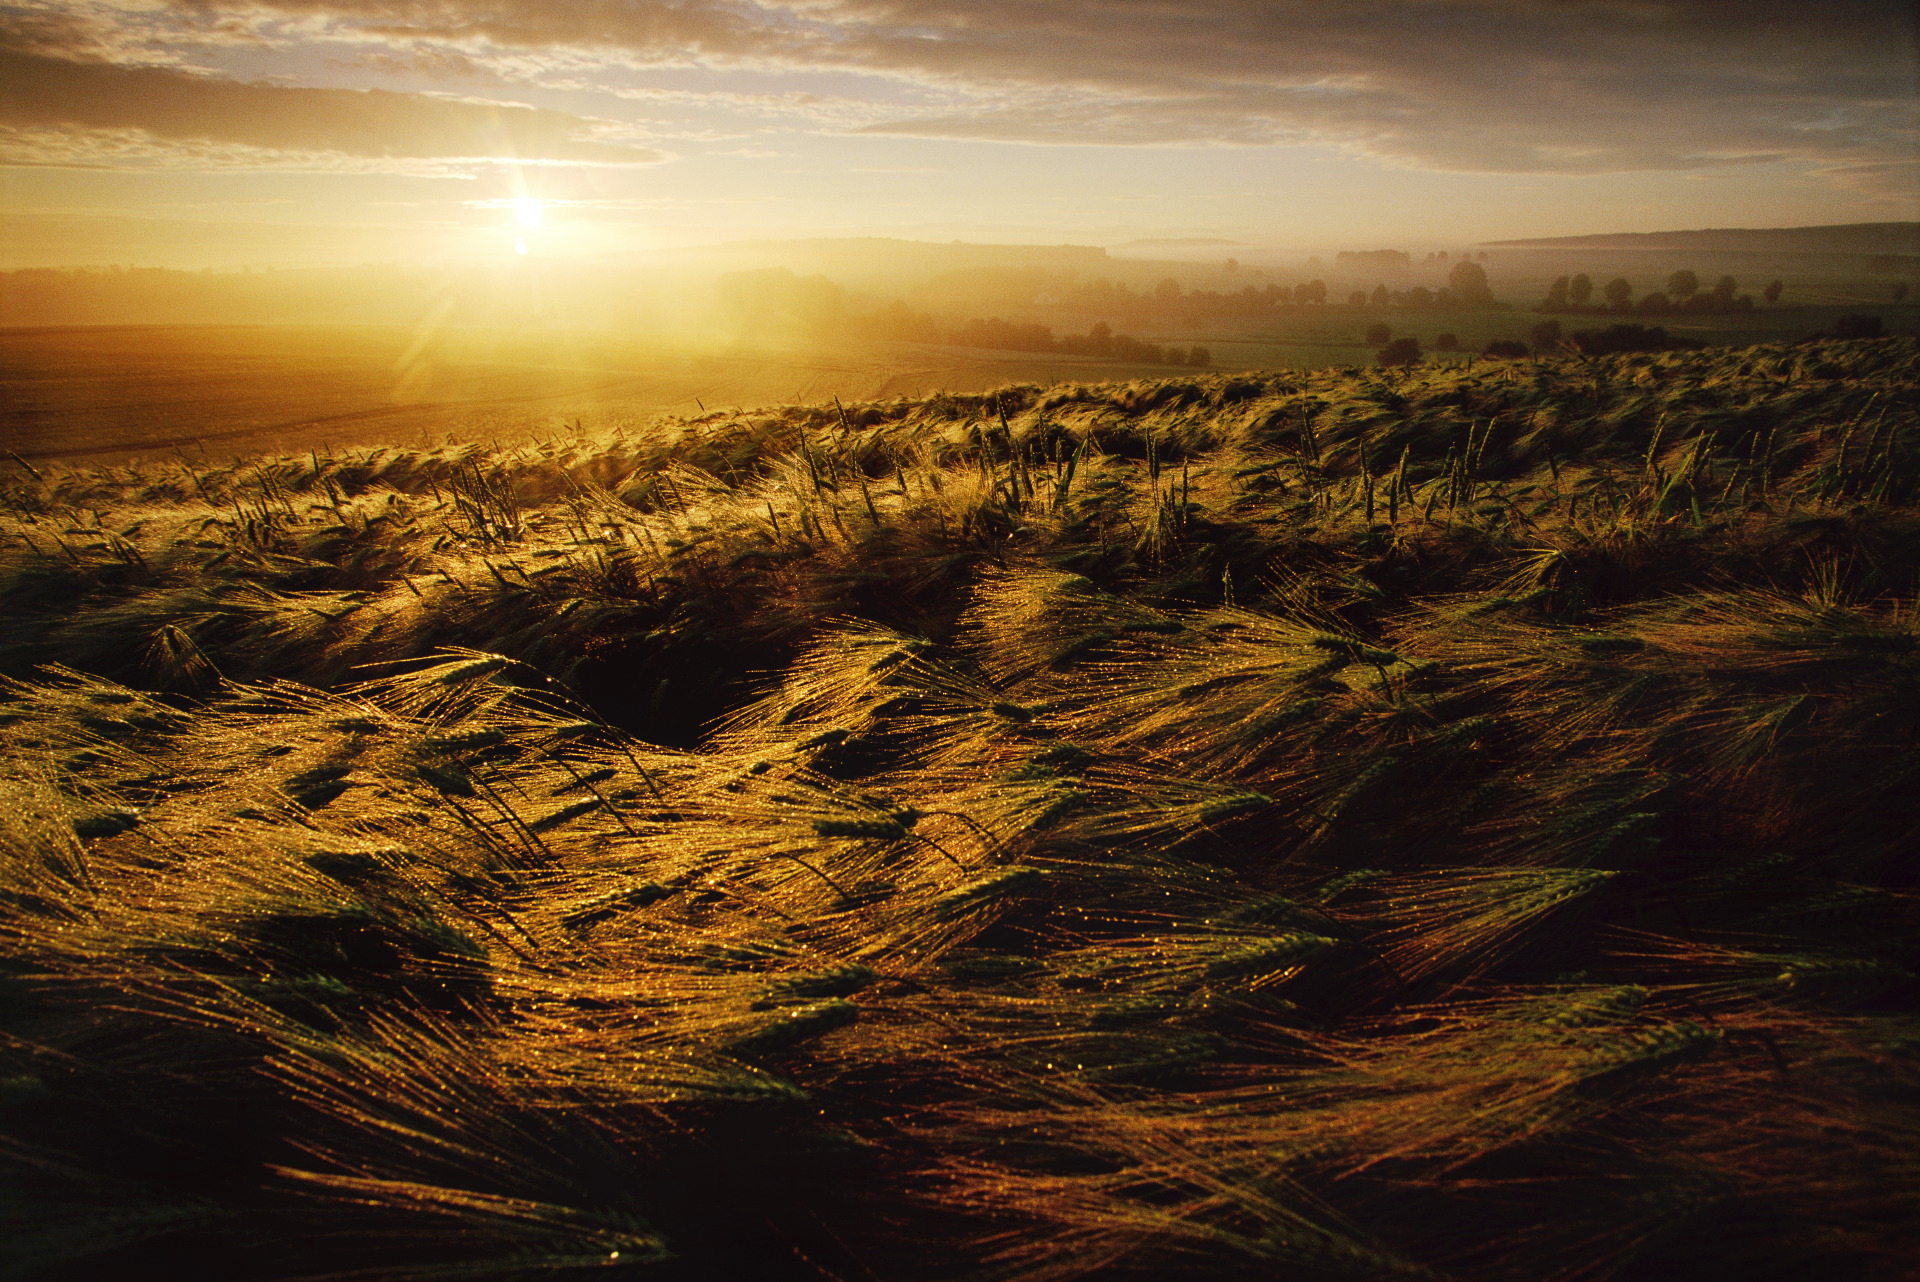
column 1018, row 641
column 118, row 361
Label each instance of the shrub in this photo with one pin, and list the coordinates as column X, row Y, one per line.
column 1853, row 326
column 1629, row 338
column 1401, row 351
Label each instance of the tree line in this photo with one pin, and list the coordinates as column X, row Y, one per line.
column 1466, row 287
column 1544, row 339
column 1574, row 295
column 1167, row 296
column 897, row 322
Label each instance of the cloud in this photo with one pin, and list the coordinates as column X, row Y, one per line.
column 1547, row 86
column 58, row 111
column 679, row 31
column 1894, row 180
column 1575, row 86
column 136, row 149
column 833, row 111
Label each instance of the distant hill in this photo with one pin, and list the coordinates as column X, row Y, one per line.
column 854, row 256
column 1177, row 242
column 1842, row 238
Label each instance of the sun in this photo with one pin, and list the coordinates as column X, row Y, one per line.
column 530, row 212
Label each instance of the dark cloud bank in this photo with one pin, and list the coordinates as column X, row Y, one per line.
column 1551, row 86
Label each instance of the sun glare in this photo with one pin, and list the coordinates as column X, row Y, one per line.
column 529, row 212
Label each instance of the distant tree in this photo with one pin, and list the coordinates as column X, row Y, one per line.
column 775, row 301
column 1128, row 348
column 1557, row 293
column 1380, row 295
column 1358, row 298
column 1100, row 338
column 1314, row 291
column 1580, row 289
column 1505, row 347
column 1900, row 292
column 1468, row 281
column 1401, row 351
column 1231, row 266
column 1420, row 296
column 1725, row 288
column 1683, row 285
column 1545, row 337
column 1772, row 292
column 896, row 322
column 1655, row 304
column 1005, row 335
column 1200, row 357
column 1378, row 334
column 1168, row 290
column 1447, row 343
column 1375, row 259
column 1618, row 291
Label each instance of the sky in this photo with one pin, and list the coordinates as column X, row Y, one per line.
column 214, row 133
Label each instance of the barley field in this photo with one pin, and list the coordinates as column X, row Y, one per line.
column 1443, row 823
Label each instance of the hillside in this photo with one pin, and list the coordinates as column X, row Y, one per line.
column 857, row 257
column 1442, row 823
column 1844, row 238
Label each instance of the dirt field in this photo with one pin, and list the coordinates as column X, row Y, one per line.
column 122, row 391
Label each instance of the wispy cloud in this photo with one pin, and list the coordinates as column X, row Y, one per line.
column 55, row 110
